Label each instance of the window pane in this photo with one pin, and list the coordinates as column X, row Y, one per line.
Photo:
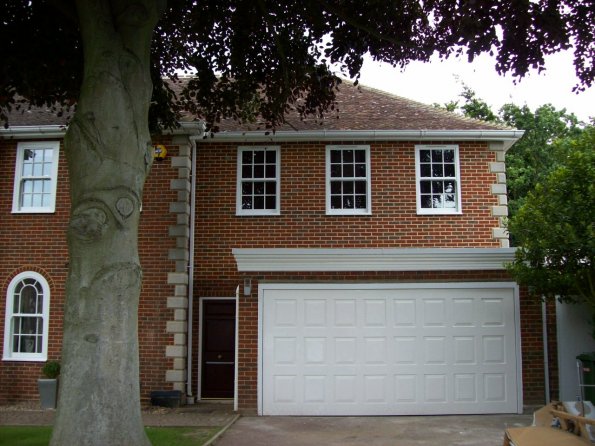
column 28, row 300
column 437, row 156
column 426, row 201
column 425, row 170
column 336, row 202
column 348, row 203
column 28, row 186
column 360, row 156
column 437, row 170
column 258, row 156
column 259, row 188
column 335, row 170
column 246, row 202
column 437, row 201
column 271, row 188
column 270, row 202
column 259, row 202
column 348, row 156
column 360, row 202
column 360, row 170
column 246, row 188
column 347, row 187
column 247, row 157
column 449, row 187
column 258, row 171
column 27, row 169
column 335, row 156
column 424, row 156
column 425, row 187
column 449, row 170
column 37, row 169
column 449, row 156
column 246, row 171
column 360, row 187
column 29, row 325
column 27, row 344
column 271, row 171
column 36, row 201
column 449, row 201
column 437, row 187
column 335, row 187
column 271, row 156
column 348, row 170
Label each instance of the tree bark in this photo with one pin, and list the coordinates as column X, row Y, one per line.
column 109, row 153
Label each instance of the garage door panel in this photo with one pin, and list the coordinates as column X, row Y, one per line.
column 388, row 351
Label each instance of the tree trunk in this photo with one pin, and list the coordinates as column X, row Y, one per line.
column 109, row 154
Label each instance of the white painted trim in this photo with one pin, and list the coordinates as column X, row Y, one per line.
column 368, row 178
column 195, row 128
column 397, row 259
column 7, row 354
column 507, row 137
column 257, row 212
column 31, row 131
column 264, row 286
column 519, row 353
column 200, row 335
column 236, row 353
column 18, row 176
column 458, row 209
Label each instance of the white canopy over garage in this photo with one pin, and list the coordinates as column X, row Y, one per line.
column 389, row 349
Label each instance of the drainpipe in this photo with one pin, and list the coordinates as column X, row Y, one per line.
column 189, row 396
column 546, row 359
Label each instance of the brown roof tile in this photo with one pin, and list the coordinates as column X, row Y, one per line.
column 357, row 108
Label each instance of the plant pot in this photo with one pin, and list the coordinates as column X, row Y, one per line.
column 166, row 398
column 48, row 392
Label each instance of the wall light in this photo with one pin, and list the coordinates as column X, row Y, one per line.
column 247, row 286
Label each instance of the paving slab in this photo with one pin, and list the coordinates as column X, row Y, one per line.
column 468, row 430
column 205, row 415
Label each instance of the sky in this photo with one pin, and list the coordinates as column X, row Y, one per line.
column 440, row 82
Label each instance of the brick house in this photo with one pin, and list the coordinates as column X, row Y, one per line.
column 345, row 266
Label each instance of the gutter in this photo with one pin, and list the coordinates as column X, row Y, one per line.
column 507, row 137
column 58, row 131
column 34, row 132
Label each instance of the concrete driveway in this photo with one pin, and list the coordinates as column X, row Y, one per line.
column 467, row 430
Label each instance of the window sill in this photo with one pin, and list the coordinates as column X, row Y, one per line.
column 258, row 214
column 43, row 358
column 34, row 211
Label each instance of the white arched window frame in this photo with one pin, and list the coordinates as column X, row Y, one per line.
column 26, row 321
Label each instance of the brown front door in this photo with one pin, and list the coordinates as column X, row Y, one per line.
column 218, row 348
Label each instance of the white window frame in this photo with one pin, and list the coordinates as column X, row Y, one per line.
column 247, row 212
column 17, row 208
column 367, row 178
column 457, row 209
column 8, row 354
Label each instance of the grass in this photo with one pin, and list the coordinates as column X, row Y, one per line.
column 159, row 436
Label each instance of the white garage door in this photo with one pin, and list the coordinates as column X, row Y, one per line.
column 388, row 349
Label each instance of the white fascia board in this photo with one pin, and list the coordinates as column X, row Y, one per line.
column 33, row 132
column 195, row 129
column 507, row 136
column 398, row 259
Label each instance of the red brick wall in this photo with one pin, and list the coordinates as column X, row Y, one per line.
column 304, row 224
column 31, row 242
column 38, row 242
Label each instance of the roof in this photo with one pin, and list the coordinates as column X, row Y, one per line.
column 358, row 110
column 365, row 108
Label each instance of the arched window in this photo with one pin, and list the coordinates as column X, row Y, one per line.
column 27, row 318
